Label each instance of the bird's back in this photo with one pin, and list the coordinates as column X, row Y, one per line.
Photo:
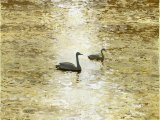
column 94, row 57
column 66, row 66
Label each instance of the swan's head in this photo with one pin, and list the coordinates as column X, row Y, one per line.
column 78, row 53
column 103, row 49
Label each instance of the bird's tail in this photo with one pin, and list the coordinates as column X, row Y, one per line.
column 57, row 66
column 90, row 57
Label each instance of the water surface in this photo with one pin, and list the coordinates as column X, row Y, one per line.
column 38, row 35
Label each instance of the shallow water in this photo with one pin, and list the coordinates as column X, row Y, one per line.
column 36, row 37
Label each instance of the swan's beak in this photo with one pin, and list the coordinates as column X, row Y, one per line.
column 80, row 54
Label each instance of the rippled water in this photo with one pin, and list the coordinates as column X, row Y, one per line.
column 37, row 35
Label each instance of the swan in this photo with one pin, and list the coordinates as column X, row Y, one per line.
column 66, row 66
column 97, row 56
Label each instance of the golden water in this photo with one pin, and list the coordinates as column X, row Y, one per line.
column 36, row 37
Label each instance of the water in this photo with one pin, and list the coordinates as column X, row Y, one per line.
column 36, row 37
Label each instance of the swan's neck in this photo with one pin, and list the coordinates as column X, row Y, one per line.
column 78, row 65
column 102, row 54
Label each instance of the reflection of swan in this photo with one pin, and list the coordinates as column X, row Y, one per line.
column 66, row 66
column 97, row 56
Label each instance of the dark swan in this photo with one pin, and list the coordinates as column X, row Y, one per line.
column 66, row 66
column 97, row 56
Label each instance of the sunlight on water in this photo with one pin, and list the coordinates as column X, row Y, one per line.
column 76, row 39
column 75, row 17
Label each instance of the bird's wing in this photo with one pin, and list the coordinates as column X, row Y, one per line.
column 67, row 65
column 94, row 56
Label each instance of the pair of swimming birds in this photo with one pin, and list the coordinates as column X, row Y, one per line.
column 66, row 66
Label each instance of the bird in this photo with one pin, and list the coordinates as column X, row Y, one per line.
column 97, row 56
column 67, row 66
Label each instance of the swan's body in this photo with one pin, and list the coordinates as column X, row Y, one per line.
column 66, row 66
column 97, row 56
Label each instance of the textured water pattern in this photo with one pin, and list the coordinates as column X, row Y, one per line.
column 37, row 35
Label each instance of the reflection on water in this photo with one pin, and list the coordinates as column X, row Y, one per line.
column 37, row 36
